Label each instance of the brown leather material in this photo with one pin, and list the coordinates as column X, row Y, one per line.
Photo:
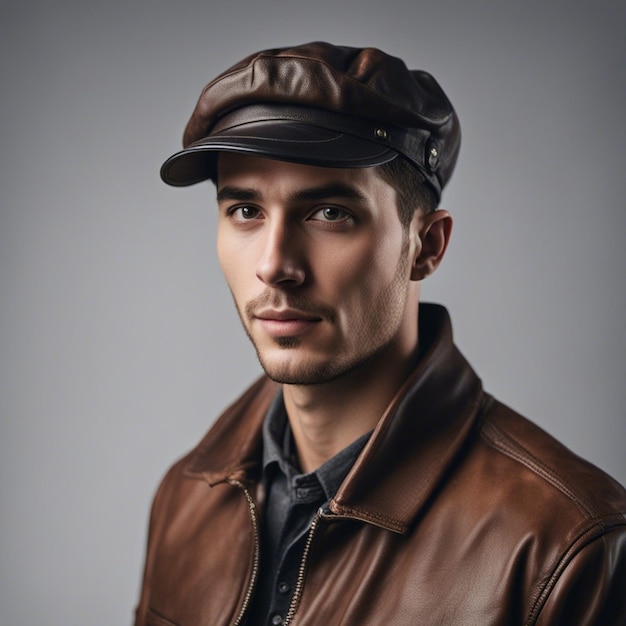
column 459, row 511
column 363, row 95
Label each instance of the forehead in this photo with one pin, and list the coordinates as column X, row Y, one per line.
column 261, row 172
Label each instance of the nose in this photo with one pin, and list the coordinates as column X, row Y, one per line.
column 282, row 259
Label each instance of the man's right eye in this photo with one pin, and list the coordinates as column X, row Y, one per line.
column 243, row 213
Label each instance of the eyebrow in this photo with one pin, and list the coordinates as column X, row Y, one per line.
column 236, row 193
column 324, row 192
column 332, row 190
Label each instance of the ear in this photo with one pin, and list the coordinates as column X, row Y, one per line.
column 434, row 232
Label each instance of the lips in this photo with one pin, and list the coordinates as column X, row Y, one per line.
column 286, row 315
column 286, row 322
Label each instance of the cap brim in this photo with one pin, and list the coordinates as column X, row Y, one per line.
column 284, row 140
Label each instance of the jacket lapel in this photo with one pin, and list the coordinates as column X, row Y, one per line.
column 232, row 449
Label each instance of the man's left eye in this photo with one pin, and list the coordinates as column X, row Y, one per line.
column 330, row 214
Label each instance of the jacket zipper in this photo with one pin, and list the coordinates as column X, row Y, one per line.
column 257, row 548
column 297, row 594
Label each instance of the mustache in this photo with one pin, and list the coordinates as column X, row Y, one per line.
column 277, row 300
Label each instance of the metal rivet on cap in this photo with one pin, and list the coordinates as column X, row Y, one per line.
column 381, row 133
column 433, row 157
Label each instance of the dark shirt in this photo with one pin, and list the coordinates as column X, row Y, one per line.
column 292, row 500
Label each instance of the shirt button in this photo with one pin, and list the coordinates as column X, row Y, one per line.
column 283, row 587
column 277, row 620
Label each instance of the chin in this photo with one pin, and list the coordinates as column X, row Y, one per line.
column 290, row 368
column 296, row 371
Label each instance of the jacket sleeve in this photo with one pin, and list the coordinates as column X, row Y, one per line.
column 141, row 611
column 141, row 608
column 591, row 590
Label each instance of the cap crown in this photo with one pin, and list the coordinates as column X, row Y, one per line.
column 363, row 83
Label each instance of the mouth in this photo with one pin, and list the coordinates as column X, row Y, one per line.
column 286, row 322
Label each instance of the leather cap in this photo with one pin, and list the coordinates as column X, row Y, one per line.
column 321, row 104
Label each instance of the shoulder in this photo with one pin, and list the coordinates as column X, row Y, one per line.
column 569, row 514
column 554, row 469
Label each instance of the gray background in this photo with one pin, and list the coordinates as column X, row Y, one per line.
column 118, row 343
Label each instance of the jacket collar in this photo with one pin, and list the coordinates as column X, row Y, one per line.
column 414, row 443
column 418, row 437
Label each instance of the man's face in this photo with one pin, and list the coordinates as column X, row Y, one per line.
column 317, row 262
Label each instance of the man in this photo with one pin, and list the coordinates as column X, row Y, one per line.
column 367, row 478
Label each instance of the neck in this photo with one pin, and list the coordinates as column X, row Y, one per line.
column 326, row 418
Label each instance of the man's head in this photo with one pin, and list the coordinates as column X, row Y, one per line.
column 329, row 163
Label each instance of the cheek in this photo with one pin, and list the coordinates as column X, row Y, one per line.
column 222, row 247
column 234, row 263
column 225, row 260
column 356, row 275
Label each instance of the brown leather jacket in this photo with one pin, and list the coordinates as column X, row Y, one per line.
column 457, row 512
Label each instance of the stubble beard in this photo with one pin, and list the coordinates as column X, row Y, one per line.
column 373, row 333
